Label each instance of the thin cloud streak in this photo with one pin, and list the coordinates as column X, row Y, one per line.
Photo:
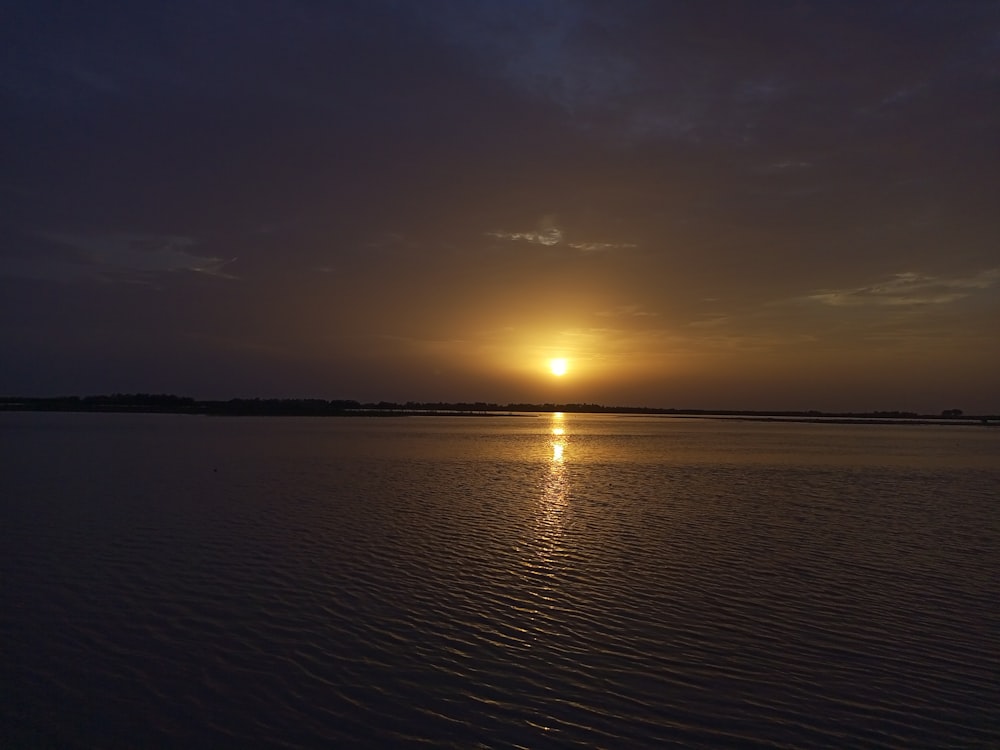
column 121, row 257
column 908, row 289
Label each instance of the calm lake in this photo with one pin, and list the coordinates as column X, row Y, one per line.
column 534, row 581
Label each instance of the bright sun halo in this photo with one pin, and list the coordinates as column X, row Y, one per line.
column 558, row 366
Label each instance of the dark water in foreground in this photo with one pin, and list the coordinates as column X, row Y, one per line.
column 504, row 582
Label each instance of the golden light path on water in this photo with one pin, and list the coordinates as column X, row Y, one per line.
column 555, row 493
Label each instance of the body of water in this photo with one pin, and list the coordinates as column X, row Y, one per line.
column 533, row 581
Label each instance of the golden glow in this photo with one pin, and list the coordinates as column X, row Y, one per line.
column 558, row 437
column 549, row 543
column 558, row 366
column 556, row 486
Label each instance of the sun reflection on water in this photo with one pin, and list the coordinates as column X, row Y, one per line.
column 556, row 487
column 557, row 452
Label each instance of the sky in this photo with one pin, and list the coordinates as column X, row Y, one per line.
column 718, row 204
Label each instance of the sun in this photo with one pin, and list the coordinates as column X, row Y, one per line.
column 558, row 367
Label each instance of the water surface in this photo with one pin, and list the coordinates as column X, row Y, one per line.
column 534, row 581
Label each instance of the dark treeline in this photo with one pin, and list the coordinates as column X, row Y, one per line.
column 164, row 403
column 301, row 407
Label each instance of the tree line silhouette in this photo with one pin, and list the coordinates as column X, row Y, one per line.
column 163, row 403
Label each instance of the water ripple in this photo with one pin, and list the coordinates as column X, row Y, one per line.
column 294, row 583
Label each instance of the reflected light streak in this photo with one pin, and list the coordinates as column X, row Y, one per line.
column 556, row 485
column 548, row 554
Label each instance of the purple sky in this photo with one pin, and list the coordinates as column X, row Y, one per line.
column 767, row 204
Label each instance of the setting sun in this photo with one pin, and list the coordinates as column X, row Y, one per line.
column 558, row 366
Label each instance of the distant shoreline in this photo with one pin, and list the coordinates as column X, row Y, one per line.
column 237, row 407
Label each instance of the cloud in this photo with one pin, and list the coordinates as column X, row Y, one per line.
column 554, row 236
column 908, row 289
column 543, row 48
column 710, row 320
column 547, row 237
column 118, row 257
column 548, row 234
column 600, row 247
column 627, row 311
column 787, row 164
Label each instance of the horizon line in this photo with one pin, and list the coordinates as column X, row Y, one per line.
column 153, row 402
